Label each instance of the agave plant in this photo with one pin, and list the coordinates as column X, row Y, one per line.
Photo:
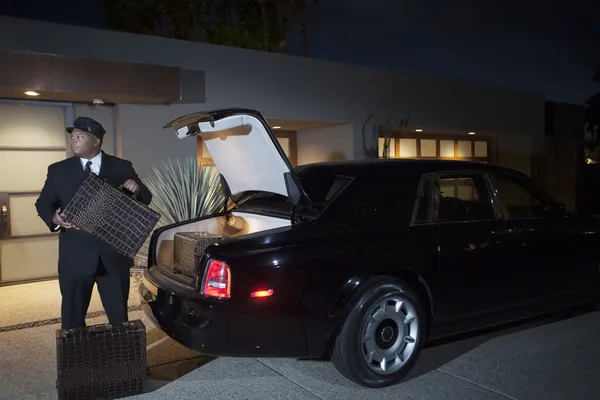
column 182, row 190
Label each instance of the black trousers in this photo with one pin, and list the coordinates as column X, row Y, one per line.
column 76, row 291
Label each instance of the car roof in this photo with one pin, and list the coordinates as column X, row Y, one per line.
column 416, row 166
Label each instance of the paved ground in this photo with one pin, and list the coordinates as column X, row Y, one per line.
column 40, row 301
column 552, row 359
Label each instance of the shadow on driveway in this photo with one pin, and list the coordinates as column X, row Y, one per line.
column 441, row 352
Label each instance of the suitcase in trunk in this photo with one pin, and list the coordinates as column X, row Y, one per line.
column 110, row 215
column 189, row 247
column 101, row 361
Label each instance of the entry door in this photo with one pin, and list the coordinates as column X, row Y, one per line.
column 32, row 136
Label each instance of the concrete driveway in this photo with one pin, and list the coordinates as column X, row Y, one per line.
column 551, row 359
column 555, row 359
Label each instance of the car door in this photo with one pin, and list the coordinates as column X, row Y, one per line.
column 474, row 251
column 553, row 259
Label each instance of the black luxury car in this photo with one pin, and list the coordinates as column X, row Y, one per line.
column 360, row 261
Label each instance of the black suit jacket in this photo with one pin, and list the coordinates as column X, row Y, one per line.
column 78, row 251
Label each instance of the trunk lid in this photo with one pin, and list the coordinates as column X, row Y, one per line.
column 243, row 148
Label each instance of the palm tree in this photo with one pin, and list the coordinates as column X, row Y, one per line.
column 592, row 124
column 298, row 10
column 135, row 16
column 179, row 16
column 252, row 24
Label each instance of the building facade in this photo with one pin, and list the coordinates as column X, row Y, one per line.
column 319, row 110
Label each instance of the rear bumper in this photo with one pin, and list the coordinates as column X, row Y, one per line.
column 189, row 330
column 216, row 329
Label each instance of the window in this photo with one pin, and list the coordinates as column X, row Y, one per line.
column 453, row 198
column 322, row 189
column 519, row 197
column 371, row 203
column 435, row 146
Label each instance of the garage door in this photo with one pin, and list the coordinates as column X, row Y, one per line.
column 32, row 137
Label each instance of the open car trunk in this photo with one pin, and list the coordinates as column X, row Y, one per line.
column 242, row 146
column 249, row 159
column 237, row 224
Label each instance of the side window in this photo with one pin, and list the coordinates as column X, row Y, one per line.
column 355, row 207
column 453, row 198
column 463, row 198
column 374, row 202
column 519, row 198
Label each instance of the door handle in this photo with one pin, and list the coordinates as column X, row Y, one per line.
column 506, row 237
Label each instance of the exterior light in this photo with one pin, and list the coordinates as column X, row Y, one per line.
column 277, row 127
column 471, row 133
column 419, row 130
column 31, row 93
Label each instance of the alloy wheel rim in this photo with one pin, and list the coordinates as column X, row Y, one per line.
column 390, row 334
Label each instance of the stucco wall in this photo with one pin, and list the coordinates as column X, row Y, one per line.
column 143, row 139
column 564, row 155
column 333, row 143
column 281, row 87
column 514, row 151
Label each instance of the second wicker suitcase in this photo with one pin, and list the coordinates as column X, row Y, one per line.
column 189, row 247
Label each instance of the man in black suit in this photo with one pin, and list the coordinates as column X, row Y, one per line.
column 84, row 260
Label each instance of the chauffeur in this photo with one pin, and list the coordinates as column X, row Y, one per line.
column 84, row 260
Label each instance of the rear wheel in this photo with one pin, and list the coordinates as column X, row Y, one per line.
column 382, row 337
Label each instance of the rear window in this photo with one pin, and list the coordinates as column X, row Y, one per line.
column 323, row 189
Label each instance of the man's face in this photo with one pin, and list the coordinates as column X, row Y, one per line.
column 83, row 144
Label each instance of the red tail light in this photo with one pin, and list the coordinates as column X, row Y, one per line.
column 218, row 280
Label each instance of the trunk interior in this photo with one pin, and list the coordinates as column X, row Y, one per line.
column 239, row 224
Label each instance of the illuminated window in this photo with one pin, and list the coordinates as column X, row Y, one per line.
column 435, row 147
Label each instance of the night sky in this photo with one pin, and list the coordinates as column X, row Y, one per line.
column 526, row 45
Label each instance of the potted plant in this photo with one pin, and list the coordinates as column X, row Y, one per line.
column 182, row 190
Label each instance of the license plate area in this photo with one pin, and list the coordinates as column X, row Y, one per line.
column 168, row 304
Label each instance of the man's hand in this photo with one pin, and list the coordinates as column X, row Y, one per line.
column 57, row 219
column 132, row 186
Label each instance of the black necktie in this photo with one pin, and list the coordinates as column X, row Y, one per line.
column 88, row 170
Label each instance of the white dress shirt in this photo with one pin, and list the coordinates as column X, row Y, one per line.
column 96, row 163
column 95, row 168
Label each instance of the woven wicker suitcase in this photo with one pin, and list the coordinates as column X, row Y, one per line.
column 101, row 361
column 189, row 247
column 110, row 215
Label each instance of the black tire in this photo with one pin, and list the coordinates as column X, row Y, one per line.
column 347, row 354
